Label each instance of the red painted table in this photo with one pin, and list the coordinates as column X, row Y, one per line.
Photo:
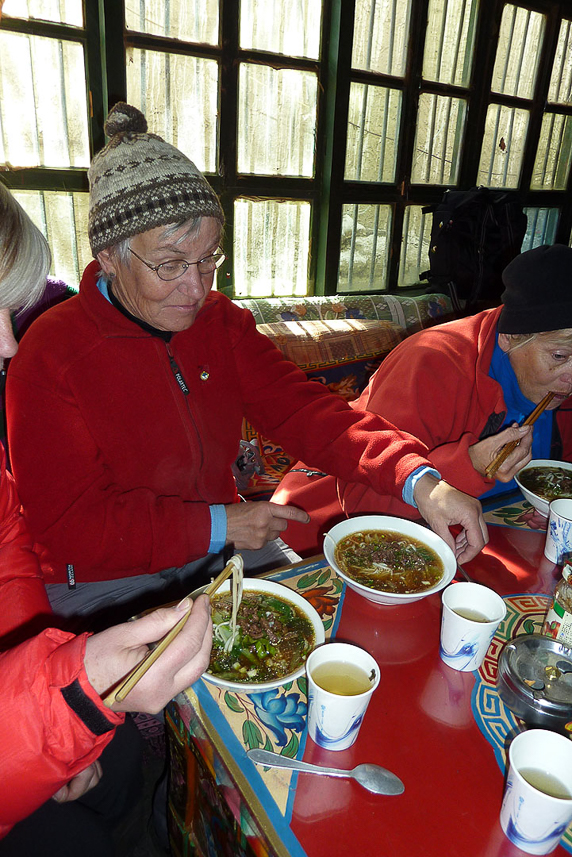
column 443, row 732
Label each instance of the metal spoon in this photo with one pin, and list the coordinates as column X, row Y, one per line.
column 372, row 777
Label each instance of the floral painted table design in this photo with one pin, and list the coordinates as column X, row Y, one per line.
column 525, row 615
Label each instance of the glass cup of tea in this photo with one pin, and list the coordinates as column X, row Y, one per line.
column 341, row 680
column 471, row 615
column 537, row 803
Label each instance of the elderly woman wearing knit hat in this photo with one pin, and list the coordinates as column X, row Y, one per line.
column 126, row 403
column 463, row 388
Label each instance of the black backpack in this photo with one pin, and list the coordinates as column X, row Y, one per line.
column 475, row 234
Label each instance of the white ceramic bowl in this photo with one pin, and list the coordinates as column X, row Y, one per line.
column 542, row 506
column 397, row 525
column 252, row 584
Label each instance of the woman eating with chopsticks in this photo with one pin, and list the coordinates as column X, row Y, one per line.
column 466, row 388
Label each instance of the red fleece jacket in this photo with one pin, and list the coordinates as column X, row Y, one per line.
column 117, row 467
column 44, row 743
column 435, row 385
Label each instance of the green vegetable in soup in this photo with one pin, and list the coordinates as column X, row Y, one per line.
column 274, row 638
column 389, row 561
column 550, row 483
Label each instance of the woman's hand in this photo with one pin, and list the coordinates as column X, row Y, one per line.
column 80, row 784
column 443, row 506
column 110, row 655
column 251, row 525
column 485, row 451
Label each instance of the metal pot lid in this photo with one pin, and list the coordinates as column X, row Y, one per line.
column 538, row 669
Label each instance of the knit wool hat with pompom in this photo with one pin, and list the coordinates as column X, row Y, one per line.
column 138, row 181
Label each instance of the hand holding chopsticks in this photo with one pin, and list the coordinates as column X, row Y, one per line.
column 121, row 690
column 509, row 447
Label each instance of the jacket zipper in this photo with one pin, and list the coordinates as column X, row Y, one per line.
column 182, row 384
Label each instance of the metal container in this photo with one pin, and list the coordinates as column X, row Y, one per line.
column 534, row 680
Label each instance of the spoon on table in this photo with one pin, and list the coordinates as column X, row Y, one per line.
column 372, row 777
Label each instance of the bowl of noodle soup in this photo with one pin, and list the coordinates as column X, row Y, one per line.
column 278, row 628
column 389, row 560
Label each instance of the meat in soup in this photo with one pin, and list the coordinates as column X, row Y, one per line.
column 550, row 483
column 273, row 638
column 389, row 561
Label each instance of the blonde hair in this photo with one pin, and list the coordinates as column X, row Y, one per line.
column 25, row 257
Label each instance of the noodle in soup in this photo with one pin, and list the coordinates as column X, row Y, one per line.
column 389, row 561
column 549, row 483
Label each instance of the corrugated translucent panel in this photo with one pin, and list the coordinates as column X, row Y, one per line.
column 179, row 96
column 560, row 91
column 62, row 217
column 271, row 247
column 554, row 153
column 364, row 248
column 541, row 227
column 291, row 28
column 449, row 41
column 503, row 146
column 373, row 132
column 60, row 11
column 276, row 121
column 518, row 51
column 188, row 20
column 415, row 242
column 381, row 36
column 43, row 106
column 438, row 139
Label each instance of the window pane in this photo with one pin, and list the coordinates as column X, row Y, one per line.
column 364, row 248
column 189, row 20
column 43, row 107
column 552, row 165
column 561, row 81
column 541, row 228
column 449, row 41
column 271, row 247
column 381, row 36
column 503, row 147
column 518, row 52
column 60, row 11
column 292, row 28
column 415, row 242
column 179, row 96
column 276, row 121
column 62, row 218
column 438, row 139
column 373, row 131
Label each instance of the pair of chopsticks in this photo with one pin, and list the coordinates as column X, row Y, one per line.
column 127, row 684
column 508, row 448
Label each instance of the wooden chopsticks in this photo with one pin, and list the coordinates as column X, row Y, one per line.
column 121, row 690
column 508, row 448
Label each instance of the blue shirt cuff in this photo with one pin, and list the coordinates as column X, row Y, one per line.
column 218, row 528
column 412, row 480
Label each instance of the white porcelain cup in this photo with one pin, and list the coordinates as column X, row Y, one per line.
column 335, row 716
column 558, row 546
column 471, row 615
column 533, row 819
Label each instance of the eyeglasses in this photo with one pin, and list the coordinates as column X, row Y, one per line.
column 176, row 268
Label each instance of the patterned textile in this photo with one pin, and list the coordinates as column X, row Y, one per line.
column 411, row 313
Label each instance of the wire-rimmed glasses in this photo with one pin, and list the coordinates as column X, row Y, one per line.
column 175, row 268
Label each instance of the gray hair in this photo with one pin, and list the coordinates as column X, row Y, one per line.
column 25, row 257
column 121, row 249
column 517, row 340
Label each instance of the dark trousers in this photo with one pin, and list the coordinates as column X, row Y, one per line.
column 84, row 827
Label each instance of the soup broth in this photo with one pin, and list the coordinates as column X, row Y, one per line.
column 389, row 561
column 274, row 638
column 550, row 483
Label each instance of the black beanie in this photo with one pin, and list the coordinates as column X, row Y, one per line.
column 538, row 291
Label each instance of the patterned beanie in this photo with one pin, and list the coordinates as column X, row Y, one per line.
column 138, row 181
column 537, row 293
